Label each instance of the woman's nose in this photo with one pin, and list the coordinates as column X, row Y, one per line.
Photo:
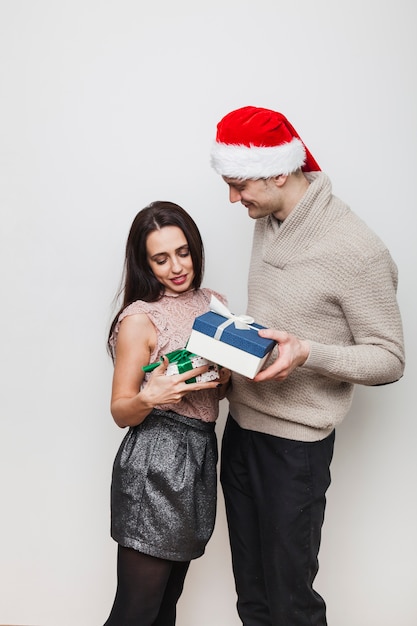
column 176, row 265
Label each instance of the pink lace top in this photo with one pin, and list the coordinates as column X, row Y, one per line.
column 173, row 317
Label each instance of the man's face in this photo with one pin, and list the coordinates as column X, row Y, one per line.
column 261, row 197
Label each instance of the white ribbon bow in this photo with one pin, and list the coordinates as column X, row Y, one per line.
column 241, row 322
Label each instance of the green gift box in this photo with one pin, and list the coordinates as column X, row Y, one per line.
column 181, row 361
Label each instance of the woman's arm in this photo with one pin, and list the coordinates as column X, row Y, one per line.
column 135, row 342
column 129, row 403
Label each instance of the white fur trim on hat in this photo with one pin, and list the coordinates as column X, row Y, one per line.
column 239, row 161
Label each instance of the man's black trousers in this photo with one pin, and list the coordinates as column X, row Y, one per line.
column 274, row 491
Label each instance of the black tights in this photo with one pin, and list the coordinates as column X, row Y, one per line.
column 148, row 589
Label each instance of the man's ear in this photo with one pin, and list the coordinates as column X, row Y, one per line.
column 280, row 180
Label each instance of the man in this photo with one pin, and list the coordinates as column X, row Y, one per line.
column 324, row 285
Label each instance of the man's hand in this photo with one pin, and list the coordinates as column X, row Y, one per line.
column 292, row 352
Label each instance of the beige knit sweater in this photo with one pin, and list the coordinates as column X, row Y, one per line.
column 324, row 276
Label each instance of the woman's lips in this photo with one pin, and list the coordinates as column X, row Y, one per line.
column 179, row 280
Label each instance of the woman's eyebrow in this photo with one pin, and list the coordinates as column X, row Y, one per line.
column 167, row 253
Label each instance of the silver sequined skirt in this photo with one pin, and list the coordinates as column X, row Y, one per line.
column 164, row 486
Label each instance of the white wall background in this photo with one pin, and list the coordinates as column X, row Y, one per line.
column 105, row 106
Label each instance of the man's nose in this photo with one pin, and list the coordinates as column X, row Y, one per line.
column 234, row 195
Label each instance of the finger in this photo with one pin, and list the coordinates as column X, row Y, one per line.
column 271, row 333
column 161, row 369
column 199, row 386
column 193, row 373
column 269, row 373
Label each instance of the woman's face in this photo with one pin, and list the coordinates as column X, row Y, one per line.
column 169, row 259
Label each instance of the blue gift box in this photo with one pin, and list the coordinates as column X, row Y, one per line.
column 219, row 340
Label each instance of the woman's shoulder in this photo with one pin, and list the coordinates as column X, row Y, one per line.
column 135, row 308
column 164, row 305
column 139, row 306
column 211, row 292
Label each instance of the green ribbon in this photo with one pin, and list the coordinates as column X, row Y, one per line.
column 180, row 357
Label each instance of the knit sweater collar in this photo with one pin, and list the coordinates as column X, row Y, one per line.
column 310, row 219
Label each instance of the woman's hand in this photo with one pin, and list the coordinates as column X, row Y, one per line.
column 132, row 401
column 223, row 381
column 162, row 389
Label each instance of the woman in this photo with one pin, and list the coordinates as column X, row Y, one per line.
column 164, row 476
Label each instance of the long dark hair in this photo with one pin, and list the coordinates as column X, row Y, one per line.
column 138, row 280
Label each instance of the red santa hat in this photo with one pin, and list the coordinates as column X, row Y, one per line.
column 254, row 143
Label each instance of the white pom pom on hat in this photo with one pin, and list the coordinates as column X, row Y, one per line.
column 253, row 143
